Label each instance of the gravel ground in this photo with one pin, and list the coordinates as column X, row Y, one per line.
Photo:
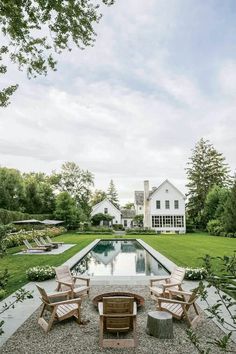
column 69, row 337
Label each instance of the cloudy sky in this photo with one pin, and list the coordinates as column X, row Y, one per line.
column 161, row 75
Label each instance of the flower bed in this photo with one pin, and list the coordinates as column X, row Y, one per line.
column 16, row 239
column 40, row 273
column 195, row 273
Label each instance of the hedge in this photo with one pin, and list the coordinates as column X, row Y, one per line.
column 7, row 216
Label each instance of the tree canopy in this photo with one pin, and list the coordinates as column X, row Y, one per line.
column 34, row 30
column 206, row 168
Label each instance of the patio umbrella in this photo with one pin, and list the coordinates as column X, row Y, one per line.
column 52, row 222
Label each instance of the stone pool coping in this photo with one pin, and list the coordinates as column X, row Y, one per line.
column 14, row 318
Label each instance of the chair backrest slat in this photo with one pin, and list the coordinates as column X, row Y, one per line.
column 43, row 294
column 177, row 275
column 63, row 273
column 118, row 305
column 27, row 244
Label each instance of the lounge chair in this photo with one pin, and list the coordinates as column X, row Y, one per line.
column 34, row 249
column 117, row 314
column 60, row 306
column 43, row 242
column 39, row 244
column 53, row 242
column 163, row 284
column 180, row 308
column 66, row 281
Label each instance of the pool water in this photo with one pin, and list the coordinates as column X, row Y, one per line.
column 119, row 257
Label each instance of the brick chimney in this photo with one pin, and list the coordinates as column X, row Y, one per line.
column 146, row 219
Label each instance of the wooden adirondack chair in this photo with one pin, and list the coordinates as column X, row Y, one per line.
column 53, row 242
column 180, row 308
column 117, row 314
column 39, row 244
column 164, row 284
column 43, row 242
column 30, row 248
column 66, row 281
column 60, row 306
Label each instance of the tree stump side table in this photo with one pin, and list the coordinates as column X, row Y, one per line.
column 160, row 324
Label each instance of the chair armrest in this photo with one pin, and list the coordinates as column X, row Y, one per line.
column 86, row 279
column 71, row 301
column 179, row 292
column 100, row 308
column 59, row 293
column 134, row 308
column 65, row 283
column 171, row 301
column 158, row 279
column 169, row 285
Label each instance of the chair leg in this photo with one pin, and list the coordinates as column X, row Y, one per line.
column 50, row 322
column 101, row 332
column 135, row 333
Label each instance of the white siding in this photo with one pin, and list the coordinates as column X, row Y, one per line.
column 167, row 192
column 111, row 210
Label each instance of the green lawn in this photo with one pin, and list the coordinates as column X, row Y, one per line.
column 184, row 250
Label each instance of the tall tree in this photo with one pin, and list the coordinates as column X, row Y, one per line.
column 77, row 183
column 229, row 216
column 11, row 189
column 112, row 194
column 206, row 168
column 215, row 203
column 97, row 197
column 36, row 29
column 66, row 210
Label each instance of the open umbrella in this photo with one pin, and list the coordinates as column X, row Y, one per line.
column 52, row 222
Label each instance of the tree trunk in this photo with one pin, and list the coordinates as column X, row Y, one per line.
column 160, row 325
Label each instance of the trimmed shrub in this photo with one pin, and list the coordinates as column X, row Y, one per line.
column 141, row 231
column 7, row 216
column 40, row 273
column 215, row 228
column 195, row 273
column 118, row 227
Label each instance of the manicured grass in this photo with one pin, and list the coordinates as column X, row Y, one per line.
column 184, row 250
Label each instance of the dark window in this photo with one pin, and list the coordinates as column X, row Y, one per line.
column 158, row 204
column 105, row 210
column 125, row 223
column 167, row 204
column 176, row 204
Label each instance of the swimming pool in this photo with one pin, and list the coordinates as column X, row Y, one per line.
column 119, row 258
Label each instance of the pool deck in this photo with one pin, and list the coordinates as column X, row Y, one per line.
column 14, row 318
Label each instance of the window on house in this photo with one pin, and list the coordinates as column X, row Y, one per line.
column 125, row 223
column 167, row 190
column 158, row 204
column 140, row 208
column 167, row 204
column 167, row 221
column 105, row 210
column 176, row 203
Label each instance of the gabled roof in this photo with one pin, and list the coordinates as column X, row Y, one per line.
column 138, row 197
column 158, row 188
column 104, row 200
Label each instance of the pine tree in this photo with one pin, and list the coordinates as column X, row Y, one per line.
column 112, row 194
column 229, row 217
column 206, row 168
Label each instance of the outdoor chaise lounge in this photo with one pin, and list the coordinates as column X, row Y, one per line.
column 39, row 244
column 163, row 284
column 33, row 249
column 66, row 281
column 61, row 307
column 43, row 242
column 53, row 242
column 180, row 308
column 117, row 314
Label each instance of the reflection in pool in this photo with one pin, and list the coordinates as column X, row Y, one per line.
column 116, row 257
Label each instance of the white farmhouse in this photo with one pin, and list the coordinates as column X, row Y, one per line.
column 106, row 207
column 163, row 208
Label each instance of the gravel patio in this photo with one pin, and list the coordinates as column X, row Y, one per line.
column 69, row 337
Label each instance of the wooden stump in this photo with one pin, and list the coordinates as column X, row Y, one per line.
column 160, row 325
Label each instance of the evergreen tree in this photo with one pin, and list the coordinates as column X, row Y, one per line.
column 229, row 216
column 206, row 168
column 112, row 194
